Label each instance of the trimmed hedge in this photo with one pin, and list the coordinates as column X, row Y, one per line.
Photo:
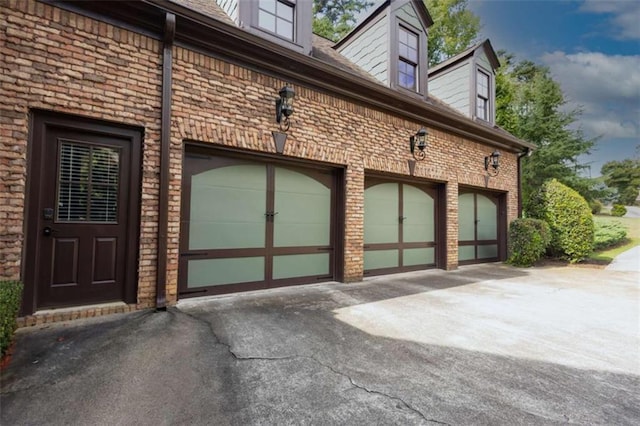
column 608, row 234
column 528, row 241
column 10, row 298
column 618, row 210
column 596, row 207
column 569, row 218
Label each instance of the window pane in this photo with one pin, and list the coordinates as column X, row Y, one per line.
column 406, row 75
column 482, row 110
column 304, row 210
column 227, row 208
column 87, row 183
column 419, row 256
column 268, row 5
column 412, row 55
column 403, row 50
column 300, row 265
column 412, row 41
column 489, row 251
column 285, row 12
column 377, row 259
column 483, row 85
column 381, row 214
column 285, row 29
column 211, row 272
column 402, row 36
column 267, row 21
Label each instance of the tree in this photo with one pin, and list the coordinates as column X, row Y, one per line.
column 333, row 19
column 529, row 105
column 624, row 176
column 569, row 218
column 454, row 29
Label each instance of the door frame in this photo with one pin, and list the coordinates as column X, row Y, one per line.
column 501, row 223
column 337, row 215
column 440, row 217
column 39, row 122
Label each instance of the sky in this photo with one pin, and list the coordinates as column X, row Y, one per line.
column 592, row 48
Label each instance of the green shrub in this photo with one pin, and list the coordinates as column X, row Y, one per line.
column 528, row 240
column 10, row 297
column 618, row 210
column 569, row 218
column 608, row 234
column 596, row 207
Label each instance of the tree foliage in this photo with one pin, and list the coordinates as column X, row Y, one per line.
column 569, row 218
column 333, row 19
column 528, row 241
column 454, row 29
column 624, row 176
column 531, row 106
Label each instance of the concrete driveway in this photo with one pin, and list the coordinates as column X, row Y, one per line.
column 486, row 344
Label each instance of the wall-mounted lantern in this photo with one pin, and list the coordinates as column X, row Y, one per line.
column 419, row 141
column 284, row 107
column 491, row 163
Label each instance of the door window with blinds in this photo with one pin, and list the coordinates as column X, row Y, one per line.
column 87, row 189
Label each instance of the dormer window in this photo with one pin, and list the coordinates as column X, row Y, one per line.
column 277, row 17
column 482, row 90
column 285, row 22
column 407, row 59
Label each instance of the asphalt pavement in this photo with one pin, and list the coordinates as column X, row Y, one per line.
column 482, row 345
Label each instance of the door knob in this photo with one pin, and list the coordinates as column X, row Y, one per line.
column 47, row 231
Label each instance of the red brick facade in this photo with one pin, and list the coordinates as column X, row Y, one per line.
column 60, row 61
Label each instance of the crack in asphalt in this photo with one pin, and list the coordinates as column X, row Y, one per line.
column 328, row 367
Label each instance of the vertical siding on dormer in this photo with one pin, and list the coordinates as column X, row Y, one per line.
column 370, row 50
column 452, row 87
column 483, row 62
column 231, row 8
column 408, row 14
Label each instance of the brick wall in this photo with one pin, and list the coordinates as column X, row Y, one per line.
column 60, row 61
column 328, row 129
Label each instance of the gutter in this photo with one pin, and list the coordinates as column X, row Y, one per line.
column 526, row 153
column 243, row 47
column 165, row 142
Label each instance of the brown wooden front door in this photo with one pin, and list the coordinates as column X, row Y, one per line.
column 83, row 209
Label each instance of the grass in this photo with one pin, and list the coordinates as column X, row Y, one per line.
column 633, row 238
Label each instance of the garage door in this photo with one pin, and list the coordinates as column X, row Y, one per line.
column 399, row 227
column 479, row 230
column 249, row 225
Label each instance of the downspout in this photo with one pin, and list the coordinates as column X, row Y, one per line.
column 165, row 143
column 526, row 153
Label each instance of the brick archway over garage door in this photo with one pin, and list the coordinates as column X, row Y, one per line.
column 249, row 223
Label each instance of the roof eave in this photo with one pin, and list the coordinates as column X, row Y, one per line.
column 255, row 51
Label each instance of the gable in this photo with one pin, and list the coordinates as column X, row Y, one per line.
column 369, row 49
column 453, row 87
column 391, row 45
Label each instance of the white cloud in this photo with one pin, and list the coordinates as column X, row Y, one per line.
column 606, row 87
column 625, row 16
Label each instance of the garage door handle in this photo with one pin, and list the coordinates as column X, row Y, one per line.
column 270, row 215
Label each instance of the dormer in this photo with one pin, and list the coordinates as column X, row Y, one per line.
column 391, row 45
column 467, row 82
column 286, row 22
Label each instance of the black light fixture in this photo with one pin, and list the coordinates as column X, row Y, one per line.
column 419, row 140
column 492, row 162
column 284, row 107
